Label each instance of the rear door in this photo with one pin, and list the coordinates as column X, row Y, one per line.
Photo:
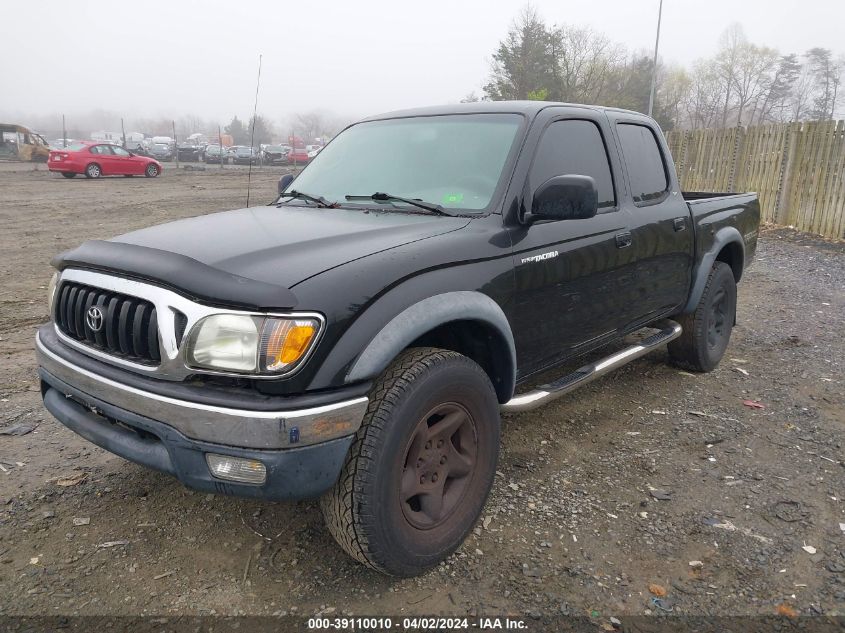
column 660, row 221
column 106, row 159
column 568, row 294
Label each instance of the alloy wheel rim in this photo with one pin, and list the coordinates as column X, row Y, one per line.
column 439, row 462
column 718, row 318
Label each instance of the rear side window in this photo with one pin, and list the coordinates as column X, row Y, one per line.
column 574, row 147
column 646, row 168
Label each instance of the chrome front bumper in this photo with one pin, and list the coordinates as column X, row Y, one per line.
column 219, row 425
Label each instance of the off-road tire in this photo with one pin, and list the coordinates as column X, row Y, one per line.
column 68, row 174
column 93, row 170
column 707, row 330
column 365, row 512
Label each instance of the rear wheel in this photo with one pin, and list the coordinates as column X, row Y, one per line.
column 68, row 174
column 93, row 171
column 707, row 331
column 151, row 171
column 422, row 464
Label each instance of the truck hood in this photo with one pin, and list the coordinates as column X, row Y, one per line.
column 263, row 247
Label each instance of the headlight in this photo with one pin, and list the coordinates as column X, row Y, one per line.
column 51, row 293
column 250, row 344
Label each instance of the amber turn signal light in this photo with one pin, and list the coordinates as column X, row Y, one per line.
column 287, row 341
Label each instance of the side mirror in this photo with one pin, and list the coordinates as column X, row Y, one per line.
column 284, row 182
column 568, row 197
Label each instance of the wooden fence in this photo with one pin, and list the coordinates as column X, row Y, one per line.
column 798, row 169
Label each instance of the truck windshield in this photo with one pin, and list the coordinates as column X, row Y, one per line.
column 454, row 161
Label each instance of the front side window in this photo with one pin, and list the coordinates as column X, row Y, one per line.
column 646, row 169
column 455, row 161
column 574, row 147
column 119, row 151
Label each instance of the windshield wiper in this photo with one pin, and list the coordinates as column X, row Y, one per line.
column 379, row 196
column 320, row 201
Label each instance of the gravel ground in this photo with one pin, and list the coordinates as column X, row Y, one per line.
column 650, row 483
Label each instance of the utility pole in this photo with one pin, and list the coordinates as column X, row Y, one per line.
column 123, row 133
column 64, row 133
column 175, row 144
column 654, row 63
column 220, row 143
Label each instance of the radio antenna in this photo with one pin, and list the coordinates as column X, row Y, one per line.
column 252, row 134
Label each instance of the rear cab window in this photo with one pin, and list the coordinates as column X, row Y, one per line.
column 645, row 163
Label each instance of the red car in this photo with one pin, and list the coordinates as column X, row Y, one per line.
column 298, row 155
column 101, row 159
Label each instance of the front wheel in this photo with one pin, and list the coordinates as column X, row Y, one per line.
column 422, row 464
column 93, row 171
column 151, row 171
column 707, row 331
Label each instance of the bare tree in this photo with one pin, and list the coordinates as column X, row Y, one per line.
column 731, row 43
column 706, row 99
column 584, row 64
column 754, row 73
column 673, row 89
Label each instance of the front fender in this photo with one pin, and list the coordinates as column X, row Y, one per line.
column 724, row 236
column 425, row 315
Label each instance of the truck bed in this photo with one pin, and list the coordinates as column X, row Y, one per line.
column 705, row 195
column 717, row 218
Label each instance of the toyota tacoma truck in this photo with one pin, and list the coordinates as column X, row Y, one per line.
column 357, row 339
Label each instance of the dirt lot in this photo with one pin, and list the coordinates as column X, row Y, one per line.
column 575, row 524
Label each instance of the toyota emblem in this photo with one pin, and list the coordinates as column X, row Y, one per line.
column 94, row 318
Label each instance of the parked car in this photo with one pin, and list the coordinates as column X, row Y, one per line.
column 101, row 159
column 213, row 154
column 313, row 152
column 61, row 143
column 188, row 152
column 366, row 356
column 245, row 156
column 298, row 155
column 275, row 154
column 136, row 147
column 162, row 152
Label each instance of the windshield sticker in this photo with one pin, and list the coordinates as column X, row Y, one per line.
column 453, row 198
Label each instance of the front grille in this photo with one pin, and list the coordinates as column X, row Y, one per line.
column 129, row 327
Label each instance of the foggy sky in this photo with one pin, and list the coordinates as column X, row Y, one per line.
column 156, row 58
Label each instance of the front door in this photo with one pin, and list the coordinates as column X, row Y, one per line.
column 123, row 161
column 567, row 273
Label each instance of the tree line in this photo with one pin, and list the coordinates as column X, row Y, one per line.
column 742, row 84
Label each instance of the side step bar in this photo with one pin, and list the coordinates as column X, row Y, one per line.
column 669, row 330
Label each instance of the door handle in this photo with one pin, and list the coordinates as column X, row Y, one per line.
column 680, row 224
column 623, row 240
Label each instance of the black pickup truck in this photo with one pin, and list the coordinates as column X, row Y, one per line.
column 357, row 338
